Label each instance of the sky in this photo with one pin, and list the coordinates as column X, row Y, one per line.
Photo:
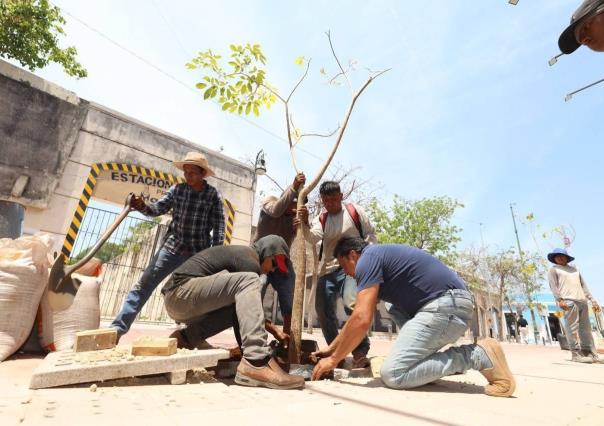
column 469, row 108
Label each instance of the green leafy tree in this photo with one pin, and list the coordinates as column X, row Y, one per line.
column 138, row 236
column 107, row 252
column 505, row 270
column 425, row 224
column 241, row 86
column 30, row 32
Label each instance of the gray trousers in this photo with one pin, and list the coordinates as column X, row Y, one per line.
column 207, row 306
column 577, row 322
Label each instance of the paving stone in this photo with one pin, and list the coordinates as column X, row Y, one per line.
column 114, row 364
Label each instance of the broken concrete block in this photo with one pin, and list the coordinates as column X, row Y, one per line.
column 94, row 340
column 177, row 377
column 154, row 346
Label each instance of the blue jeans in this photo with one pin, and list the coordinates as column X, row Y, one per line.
column 414, row 360
column 329, row 288
column 283, row 283
column 161, row 265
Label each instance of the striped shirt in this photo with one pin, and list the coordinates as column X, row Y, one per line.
column 194, row 216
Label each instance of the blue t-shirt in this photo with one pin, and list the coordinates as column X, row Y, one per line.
column 408, row 277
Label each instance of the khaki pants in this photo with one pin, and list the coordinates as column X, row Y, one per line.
column 577, row 323
column 208, row 304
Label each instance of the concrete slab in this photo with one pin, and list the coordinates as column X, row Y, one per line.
column 67, row 368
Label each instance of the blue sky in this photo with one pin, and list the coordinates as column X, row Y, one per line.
column 470, row 109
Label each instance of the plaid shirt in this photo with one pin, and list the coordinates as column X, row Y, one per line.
column 194, row 215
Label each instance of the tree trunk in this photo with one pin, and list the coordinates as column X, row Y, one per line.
column 313, row 291
column 299, row 261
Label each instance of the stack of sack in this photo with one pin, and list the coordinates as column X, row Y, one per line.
column 24, row 271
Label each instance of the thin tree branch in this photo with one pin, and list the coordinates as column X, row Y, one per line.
column 304, row 192
column 299, row 81
column 328, row 33
column 320, row 135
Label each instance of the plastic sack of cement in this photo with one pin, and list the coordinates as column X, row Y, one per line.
column 57, row 329
column 24, row 264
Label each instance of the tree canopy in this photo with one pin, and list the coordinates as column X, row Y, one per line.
column 30, row 32
column 425, row 224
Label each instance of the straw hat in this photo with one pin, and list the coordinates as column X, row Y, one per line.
column 195, row 159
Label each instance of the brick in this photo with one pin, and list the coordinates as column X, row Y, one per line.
column 154, row 346
column 94, row 340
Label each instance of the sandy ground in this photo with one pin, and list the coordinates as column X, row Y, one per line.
column 550, row 390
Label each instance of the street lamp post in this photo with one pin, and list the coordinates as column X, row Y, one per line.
column 528, row 293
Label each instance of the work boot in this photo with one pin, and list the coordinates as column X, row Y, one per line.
column 270, row 376
column 593, row 355
column 500, row 378
column 580, row 358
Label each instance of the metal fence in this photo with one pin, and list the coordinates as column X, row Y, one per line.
column 125, row 255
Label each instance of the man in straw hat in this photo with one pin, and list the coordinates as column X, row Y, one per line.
column 572, row 294
column 196, row 212
column 586, row 28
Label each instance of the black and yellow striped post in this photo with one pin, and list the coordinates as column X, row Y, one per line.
column 230, row 221
column 95, row 170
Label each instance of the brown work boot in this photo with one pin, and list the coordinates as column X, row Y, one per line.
column 582, row 357
column 270, row 376
column 500, row 378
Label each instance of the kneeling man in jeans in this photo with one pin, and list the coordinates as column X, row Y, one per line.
column 211, row 287
column 432, row 308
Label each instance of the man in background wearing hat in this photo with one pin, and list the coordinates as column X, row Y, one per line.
column 586, row 27
column 572, row 294
column 277, row 218
column 196, row 212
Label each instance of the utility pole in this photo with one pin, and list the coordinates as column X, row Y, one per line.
column 529, row 296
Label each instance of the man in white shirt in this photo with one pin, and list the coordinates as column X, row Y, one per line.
column 572, row 294
column 337, row 220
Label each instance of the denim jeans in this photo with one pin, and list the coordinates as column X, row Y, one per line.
column 161, row 265
column 577, row 323
column 414, row 360
column 329, row 288
column 283, row 283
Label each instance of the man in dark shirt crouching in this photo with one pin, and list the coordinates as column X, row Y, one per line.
column 211, row 287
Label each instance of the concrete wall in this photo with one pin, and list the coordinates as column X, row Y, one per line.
column 52, row 136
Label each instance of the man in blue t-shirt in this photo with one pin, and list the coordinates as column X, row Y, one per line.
column 431, row 307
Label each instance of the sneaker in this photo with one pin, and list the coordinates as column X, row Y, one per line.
column 500, row 378
column 578, row 357
column 593, row 355
column 270, row 376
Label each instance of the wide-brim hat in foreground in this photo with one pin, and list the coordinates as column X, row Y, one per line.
column 568, row 42
column 558, row 251
column 195, row 159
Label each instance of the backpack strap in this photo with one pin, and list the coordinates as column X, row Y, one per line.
column 322, row 220
column 354, row 215
column 352, row 211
